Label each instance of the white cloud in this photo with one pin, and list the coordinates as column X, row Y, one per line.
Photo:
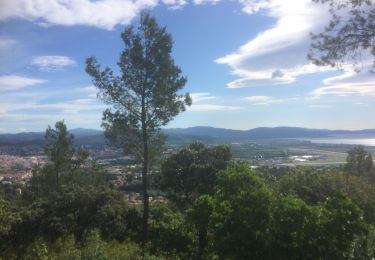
column 266, row 100
column 175, row 4
column 258, row 98
column 105, row 14
column 253, row 6
column 77, row 112
column 202, row 2
column 100, row 13
column 197, row 97
column 277, row 55
column 348, row 83
column 90, row 91
column 65, row 107
column 11, row 83
column 211, row 107
column 197, row 105
column 52, row 63
column 346, row 90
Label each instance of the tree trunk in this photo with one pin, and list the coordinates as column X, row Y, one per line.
column 145, row 193
column 57, row 170
column 144, row 176
column 202, row 242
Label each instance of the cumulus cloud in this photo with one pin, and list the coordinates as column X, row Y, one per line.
column 12, row 83
column 52, row 63
column 101, row 13
column 277, row 55
column 105, row 14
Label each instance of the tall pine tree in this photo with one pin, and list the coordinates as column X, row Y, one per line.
column 143, row 98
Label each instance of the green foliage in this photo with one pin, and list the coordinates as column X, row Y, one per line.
column 170, row 233
column 37, row 250
column 75, row 210
column 359, row 162
column 200, row 216
column 241, row 214
column 145, row 94
column 65, row 248
column 247, row 223
column 315, row 187
column 327, row 231
column 7, row 218
column 312, row 215
column 193, row 172
column 364, row 246
column 93, row 247
column 60, row 151
column 65, row 162
column 143, row 98
column 343, row 221
column 201, row 211
column 294, row 229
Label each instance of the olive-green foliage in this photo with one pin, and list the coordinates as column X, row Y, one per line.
column 315, row 187
column 248, row 223
column 8, row 217
column 241, row 214
column 193, row 172
column 359, row 162
column 171, row 234
column 294, row 229
column 41, row 184
column 199, row 215
column 74, row 210
column 66, row 166
column 93, row 247
column 305, row 214
column 61, row 153
column 327, row 231
column 364, row 246
column 342, row 222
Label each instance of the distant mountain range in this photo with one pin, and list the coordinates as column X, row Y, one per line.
column 191, row 134
column 221, row 135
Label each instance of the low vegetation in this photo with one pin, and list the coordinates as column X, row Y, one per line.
column 214, row 208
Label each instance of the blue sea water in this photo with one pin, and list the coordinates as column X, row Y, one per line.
column 354, row 141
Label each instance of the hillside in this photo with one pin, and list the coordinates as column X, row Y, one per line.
column 202, row 133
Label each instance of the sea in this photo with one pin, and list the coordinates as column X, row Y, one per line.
column 353, row 141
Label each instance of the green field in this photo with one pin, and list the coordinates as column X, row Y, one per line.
column 292, row 152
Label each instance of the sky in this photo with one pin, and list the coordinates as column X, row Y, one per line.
column 245, row 61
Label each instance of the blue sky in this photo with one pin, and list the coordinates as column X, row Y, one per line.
column 245, row 61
